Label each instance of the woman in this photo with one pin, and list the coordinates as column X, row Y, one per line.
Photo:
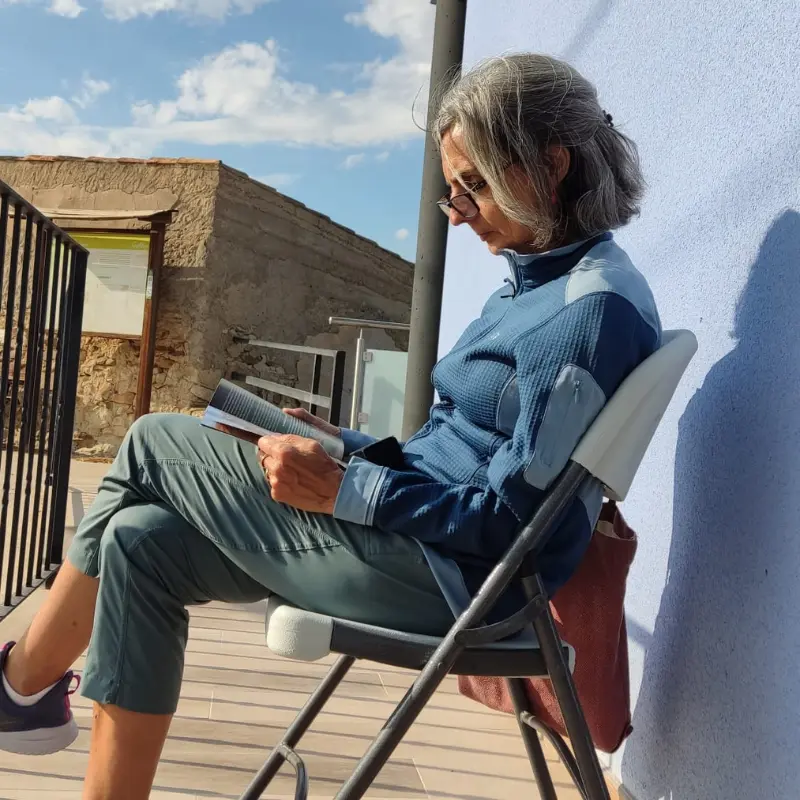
column 186, row 515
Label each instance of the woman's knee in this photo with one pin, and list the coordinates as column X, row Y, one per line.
column 128, row 532
column 144, row 429
column 148, row 546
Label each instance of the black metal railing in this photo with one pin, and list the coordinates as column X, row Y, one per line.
column 42, row 281
column 312, row 399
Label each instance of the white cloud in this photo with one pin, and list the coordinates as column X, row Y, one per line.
column 61, row 8
column 214, row 9
column 278, row 180
column 407, row 21
column 50, row 125
column 353, row 160
column 91, row 89
column 381, row 157
column 124, row 10
column 402, row 234
column 66, row 8
column 244, row 95
column 55, row 109
column 22, row 131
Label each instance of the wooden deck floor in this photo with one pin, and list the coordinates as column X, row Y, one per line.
column 238, row 697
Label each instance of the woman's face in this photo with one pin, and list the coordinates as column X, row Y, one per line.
column 490, row 224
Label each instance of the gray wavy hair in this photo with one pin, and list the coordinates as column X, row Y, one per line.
column 509, row 110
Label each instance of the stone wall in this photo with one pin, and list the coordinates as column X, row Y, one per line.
column 240, row 259
column 109, row 367
column 278, row 271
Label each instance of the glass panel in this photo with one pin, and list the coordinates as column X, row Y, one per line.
column 382, row 394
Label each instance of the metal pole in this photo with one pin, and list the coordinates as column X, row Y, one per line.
column 358, row 380
column 530, row 738
column 315, row 371
column 68, row 386
column 147, row 353
column 426, row 300
column 337, row 384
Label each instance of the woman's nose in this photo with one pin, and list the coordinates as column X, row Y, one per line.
column 456, row 218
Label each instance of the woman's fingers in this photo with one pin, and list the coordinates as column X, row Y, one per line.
column 317, row 422
column 300, row 473
column 300, row 413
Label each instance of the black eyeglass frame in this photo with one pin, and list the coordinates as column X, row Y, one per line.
column 467, row 198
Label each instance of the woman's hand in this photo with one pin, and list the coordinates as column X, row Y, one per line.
column 300, row 473
column 320, row 424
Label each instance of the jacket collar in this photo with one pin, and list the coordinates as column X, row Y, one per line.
column 535, row 269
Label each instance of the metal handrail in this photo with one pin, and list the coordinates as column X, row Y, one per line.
column 42, row 280
column 313, row 399
column 351, row 322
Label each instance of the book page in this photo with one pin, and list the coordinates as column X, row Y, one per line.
column 234, row 406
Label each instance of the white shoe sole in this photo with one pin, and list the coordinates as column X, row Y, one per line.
column 41, row 742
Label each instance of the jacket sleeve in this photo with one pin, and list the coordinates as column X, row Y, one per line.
column 355, row 440
column 565, row 370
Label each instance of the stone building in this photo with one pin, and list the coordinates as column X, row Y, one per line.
column 240, row 259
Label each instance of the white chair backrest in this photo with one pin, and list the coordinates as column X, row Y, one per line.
column 617, row 440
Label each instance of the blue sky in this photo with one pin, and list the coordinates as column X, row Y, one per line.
column 316, row 97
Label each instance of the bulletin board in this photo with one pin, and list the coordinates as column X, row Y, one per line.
column 116, row 282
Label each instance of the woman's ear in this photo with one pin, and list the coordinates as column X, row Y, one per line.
column 559, row 158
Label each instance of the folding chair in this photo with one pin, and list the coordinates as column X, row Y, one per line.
column 611, row 451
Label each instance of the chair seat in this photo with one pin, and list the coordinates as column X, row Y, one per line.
column 307, row 636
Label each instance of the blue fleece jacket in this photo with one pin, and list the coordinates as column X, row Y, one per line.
column 517, row 392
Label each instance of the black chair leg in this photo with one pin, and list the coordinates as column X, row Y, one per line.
column 560, row 746
column 541, row 772
column 594, row 782
column 284, row 751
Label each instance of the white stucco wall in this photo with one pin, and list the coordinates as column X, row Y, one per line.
column 711, row 93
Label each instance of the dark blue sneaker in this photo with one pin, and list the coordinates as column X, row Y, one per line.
column 45, row 727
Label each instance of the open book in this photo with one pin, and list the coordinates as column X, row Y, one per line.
column 243, row 414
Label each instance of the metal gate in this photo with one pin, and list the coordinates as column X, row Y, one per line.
column 42, row 279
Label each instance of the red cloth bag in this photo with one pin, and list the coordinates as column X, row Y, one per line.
column 589, row 614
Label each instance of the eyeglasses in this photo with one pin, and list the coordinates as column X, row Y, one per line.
column 463, row 204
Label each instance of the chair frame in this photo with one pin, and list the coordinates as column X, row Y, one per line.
column 468, row 631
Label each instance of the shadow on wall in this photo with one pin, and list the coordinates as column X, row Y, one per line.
column 718, row 715
column 587, row 30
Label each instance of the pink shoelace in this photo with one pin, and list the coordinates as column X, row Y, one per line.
column 72, row 689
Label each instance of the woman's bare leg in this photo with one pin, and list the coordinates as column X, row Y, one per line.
column 57, row 636
column 124, row 753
